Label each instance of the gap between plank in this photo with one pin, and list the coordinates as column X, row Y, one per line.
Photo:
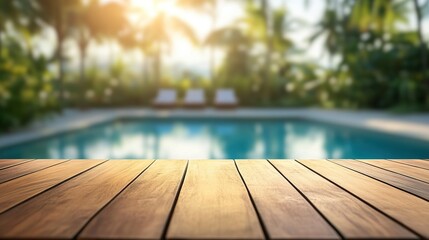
column 111, row 200
column 377, row 178
column 261, row 222
column 13, row 165
column 392, row 170
column 176, row 198
column 395, row 161
column 61, row 162
column 53, row 186
column 367, row 203
column 308, row 200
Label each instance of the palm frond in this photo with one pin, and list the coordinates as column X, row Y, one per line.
column 180, row 26
column 226, row 36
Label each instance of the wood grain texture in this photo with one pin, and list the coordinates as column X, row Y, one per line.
column 351, row 217
column 62, row 211
column 214, row 203
column 405, row 183
column 142, row 210
column 24, row 169
column 23, row 188
column 404, row 207
column 58, row 201
column 282, row 208
column 6, row 163
column 416, row 163
column 407, row 170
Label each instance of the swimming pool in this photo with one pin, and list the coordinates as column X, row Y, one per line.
column 219, row 139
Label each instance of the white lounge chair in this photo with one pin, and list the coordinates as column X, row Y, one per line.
column 225, row 98
column 166, row 98
column 195, row 98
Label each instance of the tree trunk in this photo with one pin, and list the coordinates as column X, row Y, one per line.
column 212, row 48
column 266, row 11
column 143, row 66
column 61, row 72
column 423, row 52
column 145, row 78
column 158, row 66
column 83, row 45
column 1, row 43
column 147, row 71
column 82, row 66
column 112, row 53
column 212, row 65
column 60, row 39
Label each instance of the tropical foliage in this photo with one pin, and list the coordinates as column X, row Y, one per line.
column 376, row 49
column 26, row 86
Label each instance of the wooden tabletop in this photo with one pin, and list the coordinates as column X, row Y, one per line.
column 214, row 199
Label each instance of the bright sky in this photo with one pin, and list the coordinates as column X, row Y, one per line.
column 184, row 56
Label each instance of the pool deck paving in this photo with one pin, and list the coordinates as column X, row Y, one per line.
column 214, row 199
column 411, row 125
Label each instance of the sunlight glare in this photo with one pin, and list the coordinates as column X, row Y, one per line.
column 186, row 55
column 155, row 7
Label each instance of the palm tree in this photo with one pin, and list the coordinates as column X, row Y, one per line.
column 54, row 13
column 83, row 30
column 13, row 11
column 134, row 39
column 282, row 44
column 110, row 19
column 8, row 12
column 419, row 18
column 381, row 16
column 208, row 7
column 281, row 24
column 259, row 21
column 328, row 29
column 266, row 11
column 86, row 25
column 6, row 8
column 159, row 31
column 236, row 43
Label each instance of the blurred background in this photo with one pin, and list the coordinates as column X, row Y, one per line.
column 352, row 54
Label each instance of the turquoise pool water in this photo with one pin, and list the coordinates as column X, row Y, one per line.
column 217, row 139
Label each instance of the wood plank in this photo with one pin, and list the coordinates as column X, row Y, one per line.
column 214, row 203
column 142, row 210
column 405, row 183
column 416, row 163
column 62, row 211
column 404, row 207
column 6, row 163
column 410, row 171
column 24, row 169
column 23, row 188
column 281, row 206
column 351, row 217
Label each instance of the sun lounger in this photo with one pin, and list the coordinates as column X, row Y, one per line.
column 166, row 98
column 195, row 98
column 225, row 98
